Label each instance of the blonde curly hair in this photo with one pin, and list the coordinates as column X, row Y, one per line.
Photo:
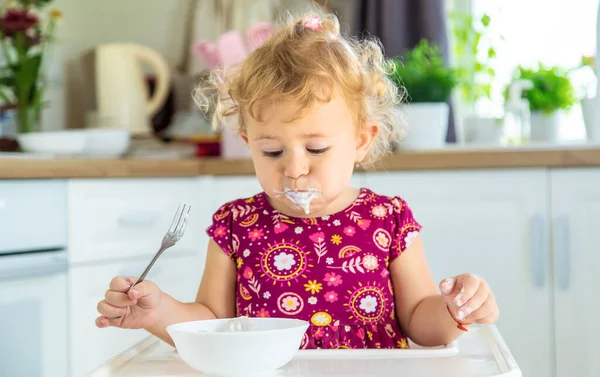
column 307, row 64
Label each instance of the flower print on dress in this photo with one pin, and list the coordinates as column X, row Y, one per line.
column 313, row 287
column 410, row 236
column 331, row 296
column 367, row 303
column 318, row 240
column 283, row 262
column 321, row 319
column 370, row 262
column 382, row 239
column 220, row 231
column 379, row 211
column 255, row 234
column 332, row 279
column 290, row 303
column 263, row 313
column 349, row 231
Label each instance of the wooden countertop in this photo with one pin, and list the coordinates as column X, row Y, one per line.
column 452, row 158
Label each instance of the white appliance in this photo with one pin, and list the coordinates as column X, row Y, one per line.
column 33, row 283
column 122, row 92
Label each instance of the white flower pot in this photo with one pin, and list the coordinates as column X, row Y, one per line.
column 591, row 117
column 427, row 125
column 545, row 127
column 488, row 131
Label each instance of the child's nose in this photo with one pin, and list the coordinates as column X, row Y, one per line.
column 295, row 166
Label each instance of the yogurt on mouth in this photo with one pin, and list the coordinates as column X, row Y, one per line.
column 301, row 198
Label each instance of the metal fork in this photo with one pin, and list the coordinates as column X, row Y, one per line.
column 172, row 236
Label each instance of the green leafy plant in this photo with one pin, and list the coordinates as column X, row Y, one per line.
column 423, row 74
column 474, row 54
column 552, row 88
column 26, row 32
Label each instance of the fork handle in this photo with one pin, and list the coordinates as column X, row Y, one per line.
column 148, row 268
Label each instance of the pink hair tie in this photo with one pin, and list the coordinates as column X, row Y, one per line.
column 314, row 23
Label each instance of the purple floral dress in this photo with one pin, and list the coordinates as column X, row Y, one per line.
column 332, row 271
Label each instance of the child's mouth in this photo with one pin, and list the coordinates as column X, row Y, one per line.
column 301, row 198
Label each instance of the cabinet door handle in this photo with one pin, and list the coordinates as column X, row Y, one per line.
column 563, row 267
column 538, row 260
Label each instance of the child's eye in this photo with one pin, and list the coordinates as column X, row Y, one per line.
column 273, row 154
column 317, row 151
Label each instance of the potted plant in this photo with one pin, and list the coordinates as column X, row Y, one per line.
column 552, row 93
column 474, row 47
column 27, row 29
column 427, row 83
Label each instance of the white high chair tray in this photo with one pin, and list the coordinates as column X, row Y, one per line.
column 481, row 352
column 413, row 352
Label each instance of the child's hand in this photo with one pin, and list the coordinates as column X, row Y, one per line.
column 137, row 310
column 470, row 299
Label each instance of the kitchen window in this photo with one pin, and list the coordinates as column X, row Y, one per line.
column 554, row 32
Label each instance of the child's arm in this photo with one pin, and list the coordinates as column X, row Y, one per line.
column 215, row 298
column 422, row 311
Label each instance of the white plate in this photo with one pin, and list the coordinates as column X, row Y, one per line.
column 413, row 352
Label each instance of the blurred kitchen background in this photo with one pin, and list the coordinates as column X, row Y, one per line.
column 100, row 140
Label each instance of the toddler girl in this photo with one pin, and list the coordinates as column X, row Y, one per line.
column 312, row 105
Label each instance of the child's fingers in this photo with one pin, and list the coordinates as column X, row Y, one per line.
column 120, row 299
column 109, row 310
column 146, row 293
column 474, row 303
column 487, row 312
column 121, row 283
column 466, row 285
column 104, row 321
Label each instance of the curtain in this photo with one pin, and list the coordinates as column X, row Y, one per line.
column 401, row 24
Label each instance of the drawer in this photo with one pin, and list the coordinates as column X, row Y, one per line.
column 33, row 215
column 178, row 276
column 120, row 218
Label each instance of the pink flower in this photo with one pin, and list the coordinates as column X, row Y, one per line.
column 332, row 279
column 255, row 234
column 248, row 273
column 263, row 313
column 363, row 223
column 317, row 237
column 220, row 231
column 349, row 231
column 331, row 296
column 280, row 227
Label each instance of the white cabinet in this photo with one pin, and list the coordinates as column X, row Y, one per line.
column 117, row 218
column 179, row 276
column 576, row 221
column 492, row 223
column 115, row 227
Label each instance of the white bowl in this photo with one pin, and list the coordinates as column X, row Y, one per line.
column 272, row 344
column 77, row 143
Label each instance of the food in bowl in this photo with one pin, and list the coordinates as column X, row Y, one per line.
column 257, row 345
column 242, row 323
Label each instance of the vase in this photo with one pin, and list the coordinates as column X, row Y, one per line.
column 545, row 127
column 484, row 131
column 427, row 125
column 27, row 119
column 591, row 118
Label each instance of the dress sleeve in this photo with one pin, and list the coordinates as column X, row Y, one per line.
column 220, row 230
column 406, row 228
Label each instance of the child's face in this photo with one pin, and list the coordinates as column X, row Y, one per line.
column 317, row 151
